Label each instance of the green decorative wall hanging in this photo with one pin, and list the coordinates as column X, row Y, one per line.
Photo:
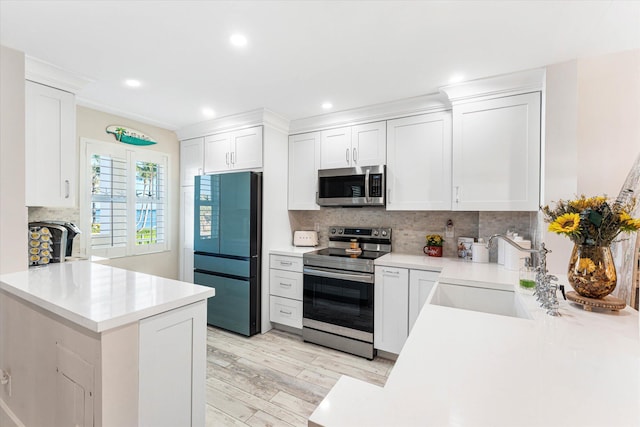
column 130, row 136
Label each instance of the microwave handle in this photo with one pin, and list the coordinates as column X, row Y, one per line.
column 366, row 185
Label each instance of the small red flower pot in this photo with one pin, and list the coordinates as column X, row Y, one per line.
column 433, row 250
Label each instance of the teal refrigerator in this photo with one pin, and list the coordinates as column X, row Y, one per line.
column 227, row 244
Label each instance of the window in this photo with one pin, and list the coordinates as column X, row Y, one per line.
column 124, row 199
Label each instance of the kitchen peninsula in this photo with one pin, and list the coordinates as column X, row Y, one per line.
column 89, row 344
column 469, row 368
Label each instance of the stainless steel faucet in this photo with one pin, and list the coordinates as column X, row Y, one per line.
column 546, row 284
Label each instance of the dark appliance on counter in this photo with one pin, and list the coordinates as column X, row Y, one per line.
column 51, row 241
column 338, row 291
column 351, row 187
column 227, row 244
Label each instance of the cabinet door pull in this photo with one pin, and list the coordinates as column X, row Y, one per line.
column 457, row 194
column 286, row 262
column 355, row 156
column 389, row 196
column 233, row 162
column 347, row 155
column 288, row 313
column 394, row 273
column 66, row 189
column 226, row 158
column 286, row 285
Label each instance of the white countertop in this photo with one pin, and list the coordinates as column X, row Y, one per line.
column 99, row 297
column 466, row 368
column 295, row 251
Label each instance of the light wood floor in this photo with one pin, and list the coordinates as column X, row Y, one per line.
column 275, row 379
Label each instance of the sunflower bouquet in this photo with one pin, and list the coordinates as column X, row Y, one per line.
column 591, row 220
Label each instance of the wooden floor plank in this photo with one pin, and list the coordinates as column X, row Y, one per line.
column 293, row 403
column 217, row 418
column 263, row 419
column 275, row 379
column 261, row 404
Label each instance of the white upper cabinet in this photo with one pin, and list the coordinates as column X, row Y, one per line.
column 241, row 149
column 304, row 161
column 191, row 160
column 51, row 148
column 496, row 154
column 369, row 144
column 361, row 145
column 419, row 162
column 246, row 148
column 335, row 148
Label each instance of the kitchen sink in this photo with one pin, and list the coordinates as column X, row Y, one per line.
column 483, row 299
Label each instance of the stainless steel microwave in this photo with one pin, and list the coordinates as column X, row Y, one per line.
column 358, row 186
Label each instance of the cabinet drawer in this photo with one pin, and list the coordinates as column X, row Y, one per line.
column 286, row 311
column 282, row 262
column 286, row 284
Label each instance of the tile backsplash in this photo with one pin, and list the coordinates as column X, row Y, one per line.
column 411, row 227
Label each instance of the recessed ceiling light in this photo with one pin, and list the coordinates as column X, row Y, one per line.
column 238, row 40
column 132, row 83
column 208, row 112
column 456, row 78
column 327, row 105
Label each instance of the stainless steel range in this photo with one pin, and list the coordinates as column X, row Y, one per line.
column 338, row 289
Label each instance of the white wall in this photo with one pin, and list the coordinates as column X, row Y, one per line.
column 92, row 124
column 560, row 158
column 592, row 132
column 13, row 213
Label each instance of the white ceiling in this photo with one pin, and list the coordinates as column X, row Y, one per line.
column 300, row 53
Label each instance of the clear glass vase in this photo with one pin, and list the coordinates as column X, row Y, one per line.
column 592, row 272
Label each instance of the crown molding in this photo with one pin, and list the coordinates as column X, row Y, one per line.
column 260, row 116
column 384, row 111
column 83, row 102
column 496, row 86
column 48, row 74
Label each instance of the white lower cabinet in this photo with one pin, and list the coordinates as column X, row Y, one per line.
column 420, row 285
column 285, row 290
column 172, row 367
column 400, row 294
column 74, row 389
column 391, row 308
column 286, row 311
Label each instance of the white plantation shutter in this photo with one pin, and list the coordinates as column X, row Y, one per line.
column 126, row 206
column 150, row 195
column 108, row 202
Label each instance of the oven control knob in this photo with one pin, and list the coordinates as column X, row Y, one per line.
column 384, row 233
column 333, row 231
column 375, row 232
column 340, row 231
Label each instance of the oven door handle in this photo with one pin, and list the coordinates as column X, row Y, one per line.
column 332, row 274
